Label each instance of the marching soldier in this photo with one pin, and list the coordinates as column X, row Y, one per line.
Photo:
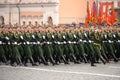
column 7, row 46
column 37, row 47
column 48, row 51
column 89, row 50
column 97, row 46
column 82, row 54
column 69, row 51
column 58, row 51
column 15, row 57
column 28, row 50
column 2, row 51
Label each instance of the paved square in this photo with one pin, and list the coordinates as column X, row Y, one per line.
column 110, row 71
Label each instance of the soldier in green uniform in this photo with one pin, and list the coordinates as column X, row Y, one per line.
column 68, row 48
column 117, row 41
column 97, row 46
column 21, row 45
column 103, row 46
column 115, row 38
column 89, row 50
column 110, row 47
column 28, row 49
column 15, row 55
column 48, row 51
column 37, row 48
column 2, row 51
column 57, row 45
column 75, row 47
column 7, row 46
column 82, row 54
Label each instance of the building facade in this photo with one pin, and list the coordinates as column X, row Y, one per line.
column 62, row 11
column 19, row 11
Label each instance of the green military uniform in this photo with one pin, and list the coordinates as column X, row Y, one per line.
column 58, row 48
column 89, row 50
column 111, row 48
column 2, row 51
column 38, row 50
column 28, row 50
column 81, row 48
column 48, row 50
column 97, row 46
column 69, row 51
column 7, row 46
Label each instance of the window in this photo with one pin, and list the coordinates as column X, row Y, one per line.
column 29, row 17
column 35, row 18
column 11, row 1
column 23, row 18
column 41, row 16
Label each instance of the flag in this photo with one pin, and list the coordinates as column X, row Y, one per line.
column 107, row 17
column 88, row 18
column 94, row 13
column 100, row 17
column 113, row 15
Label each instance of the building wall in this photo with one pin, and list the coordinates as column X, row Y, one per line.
column 31, row 16
column 41, row 12
column 73, row 10
column 38, row 13
column 68, row 11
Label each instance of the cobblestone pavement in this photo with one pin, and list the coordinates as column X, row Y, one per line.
column 110, row 71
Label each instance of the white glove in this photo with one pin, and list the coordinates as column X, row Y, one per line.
column 28, row 42
column 85, row 35
column 48, row 42
column 9, row 43
column 43, row 37
column 114, row 36
column 75, row 36
column 80, row 40
column 53, row 36
column 105, row 36
column 21, row 37
column 34, row 43
column 38, row 42
column 33, row 36
column 58, row 42
column 64, row 42
column 0, row 42
column 69, row 42
column 15, row 42
column 74, row 42
column 24, row 43
column 110, row 41
column 64, row 37
column 90, row 41
column 7, row 38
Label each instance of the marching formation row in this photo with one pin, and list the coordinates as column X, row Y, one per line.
column 59, row 45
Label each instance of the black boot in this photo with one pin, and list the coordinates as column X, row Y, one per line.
column 93, row 65
column 66, row 62
column 32, row 61
column 44, row 61
column 52, row 61
column 85, row 59
column 75, row 61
